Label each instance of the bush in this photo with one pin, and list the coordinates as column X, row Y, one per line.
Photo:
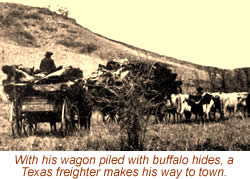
column 24, row 38
column 8, row 21
column 84, row 48
column 72, row 31
column 25, row 35
column 16, row 14
column 32, row 16
column 1, row 18
column 63, row 12
column 47, row 28
column 88, row 48
column 70, row 43
column 45, row 11
column 12, row 18
column 64, row 25
column 26, row 24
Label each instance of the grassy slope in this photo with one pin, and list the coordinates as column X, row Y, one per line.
column 27, row 32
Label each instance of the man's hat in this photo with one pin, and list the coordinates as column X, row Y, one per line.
column 200, row 89
column 48, row 54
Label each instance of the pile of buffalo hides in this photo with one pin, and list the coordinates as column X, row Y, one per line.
column 104, row 84
column 155, row 80
column 19, row 75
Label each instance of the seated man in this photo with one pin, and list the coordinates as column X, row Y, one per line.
column 47, row 64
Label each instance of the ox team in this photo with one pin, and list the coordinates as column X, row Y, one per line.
column 205, row 105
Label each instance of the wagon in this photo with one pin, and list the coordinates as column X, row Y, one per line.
column 62, row 103
column 106, row 100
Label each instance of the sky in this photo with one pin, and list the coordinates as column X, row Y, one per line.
column 207, row 32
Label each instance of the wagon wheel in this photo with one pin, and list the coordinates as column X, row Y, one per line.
column 15, row 119
column 159, row 113
column 109, row 114
column 110, row 118
column 29, row 128
column 106, row 118
column 70, row 121
column 74, row 123
column 64, row 126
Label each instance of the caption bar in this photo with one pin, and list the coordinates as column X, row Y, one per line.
column 127, row 165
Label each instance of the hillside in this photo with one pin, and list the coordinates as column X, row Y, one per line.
column 26, row 33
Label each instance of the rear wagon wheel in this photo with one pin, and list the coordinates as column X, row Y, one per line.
column 70, row 120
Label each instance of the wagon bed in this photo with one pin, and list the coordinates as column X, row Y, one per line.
column 57, row 97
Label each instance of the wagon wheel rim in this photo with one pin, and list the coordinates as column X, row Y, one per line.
column 16, row 122
column 70, row 118
column 64, row 118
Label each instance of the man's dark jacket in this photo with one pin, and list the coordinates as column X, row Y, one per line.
column 47, row 65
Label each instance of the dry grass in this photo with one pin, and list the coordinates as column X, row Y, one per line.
column 232, row 134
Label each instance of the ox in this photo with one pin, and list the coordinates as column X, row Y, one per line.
column 182, row 106
column 248, row 104
column 198, row 105
column 170, row 106
column 242, row 103
column 217, row 105
column 207, row 105
column 176, row 106
column 201, row 105
column 229, row 102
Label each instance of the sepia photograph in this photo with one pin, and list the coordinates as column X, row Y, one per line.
column 130, row 75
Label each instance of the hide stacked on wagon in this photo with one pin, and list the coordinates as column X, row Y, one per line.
column 152, row 81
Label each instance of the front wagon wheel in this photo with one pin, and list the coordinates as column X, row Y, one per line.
column 15, row 119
